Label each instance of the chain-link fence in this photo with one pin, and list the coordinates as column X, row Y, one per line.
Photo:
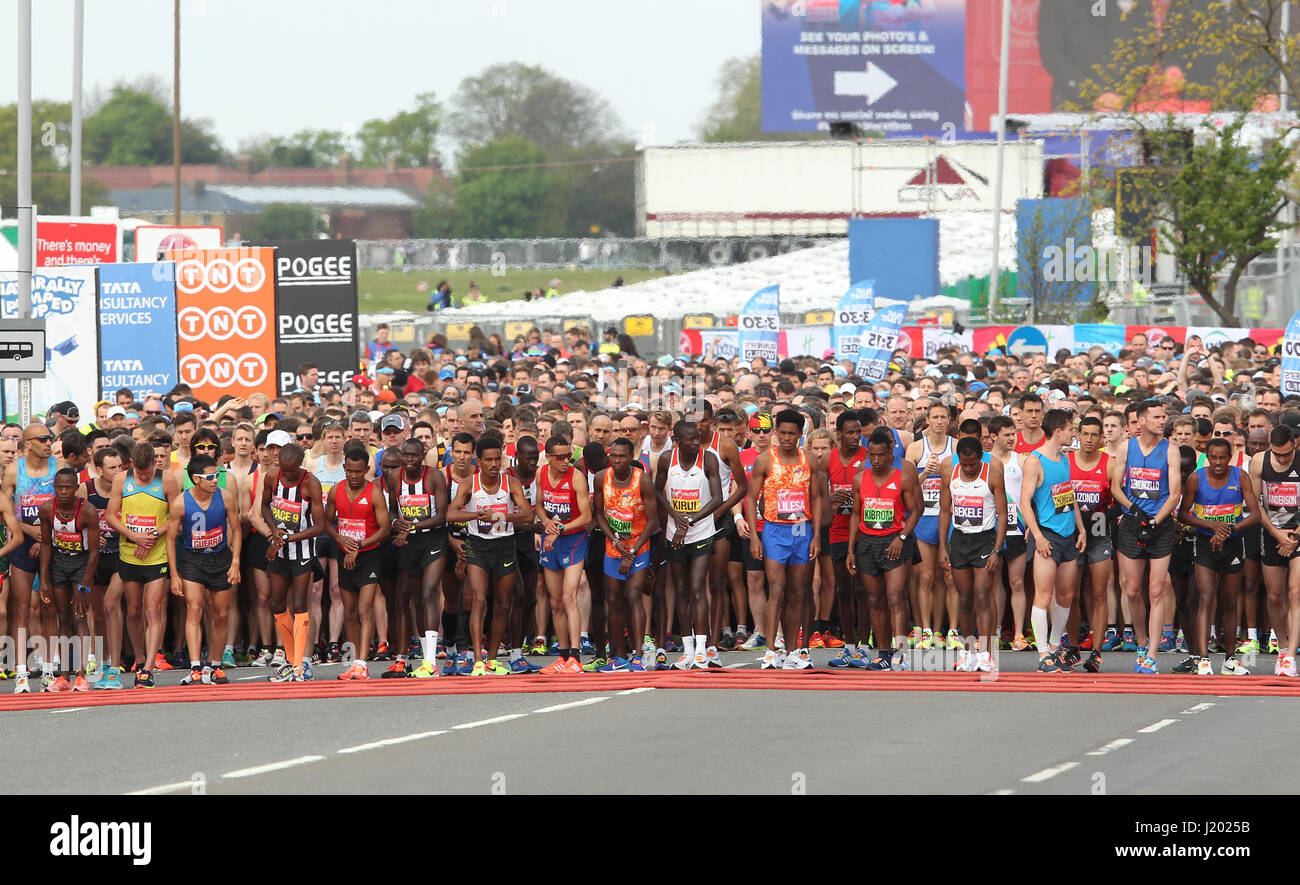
column 600, row 253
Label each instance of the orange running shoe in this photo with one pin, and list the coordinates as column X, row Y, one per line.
column 160, row 663
column 817, row 641
column 573, row 665
column 832, row 641
column 561, row 665
column 81, row 684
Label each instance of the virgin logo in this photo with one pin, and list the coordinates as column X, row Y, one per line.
column 904, row 344
column 219, row 276
column 220, row 323
column 224, row 370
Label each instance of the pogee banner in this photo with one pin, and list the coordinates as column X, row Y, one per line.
column 316, row 310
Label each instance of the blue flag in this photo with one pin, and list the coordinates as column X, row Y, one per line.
column 878, row 342
column 1291, row 358
column 851, row 319
column 760, row 326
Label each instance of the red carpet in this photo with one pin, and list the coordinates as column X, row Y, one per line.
column 1108, row 683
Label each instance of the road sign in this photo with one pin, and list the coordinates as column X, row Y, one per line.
column 22, row 348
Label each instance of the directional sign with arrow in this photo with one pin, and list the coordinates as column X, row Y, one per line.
column 872, row 83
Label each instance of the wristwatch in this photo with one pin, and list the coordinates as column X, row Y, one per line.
column 902, row 536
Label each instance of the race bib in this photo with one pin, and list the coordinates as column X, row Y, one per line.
column 557, row 505
column 685, row 500
column 414, row 507
column 142, row 524
column 931, row 488
column 286, row 511
column 206, row 540
column 847, row 507
column 1087, row 493
column 29, row 506
column 968, row 510
column 1218, row 512
column 1013, row 518
column 68, row 541
column 620, row 522
column 878, row 512
column 1144, row 482
column 352, row 529
column 791, row 505
column 486, row 525
column 1062, row 496
column 1282, row 495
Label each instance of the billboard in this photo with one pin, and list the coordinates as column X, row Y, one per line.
column 65, row 298
column 152, row 240
column 225, row 312
column 63, row 241
column 137, row 328
column 316, row 309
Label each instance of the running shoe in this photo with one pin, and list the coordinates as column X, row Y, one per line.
column 1069, row 657
column 518, row 667
column 279, row 659
column 713, row 659
column 307, row 675
column 880, row 662
column 20, row 684
column 771, row 660
column 1187, row 665
column 843, row 660
column 671, row 646
column 283, row 673
column 1232, row 667
column 965, row 662
column 479, row 669
column 780, row 641
column 832, row 641
column 613, row 665
column 682, row 663
column 5, row 674
column 207, row 674
column 741, row 637
column 1112, row 641
column 144, row 679
column 1168, row 639
column 985, row 663
column 1085, row 644
column 414, row 649
column 799, row 659
column 927, row 641
column 1145, row 664
column 1272, row 645
column 700, row 661
column 1180, row 644
column 396, row 670
column 1049, row 663
column 1249, row 647
column 538, row 647
column 860, row 659
column 60, row 684
column 47, row 679
column 1286, row 665
column 464, row 663
column 1020, row 643
column 161, row 663
column 595, row 664
column 1204, row 667
column 357, row 670
column 333, row 653
column 635, row 665
column 219, row 676
column 426, row 670
column 728, row 641
column 661, row 659
column 228, row 658
column 112, row 678
column 1128, row 641
column 556, row 668
column 382, row 652
column 91, row 664
column 914, row 637
column 1093, row 664
column 81, row 684
column 585, row 647
column 954, row 642
column 573, row 665
column 816, row 641
column 194, row 677
column 755, row 642
column 554, row 650
column 262, row 660
column 900, row 661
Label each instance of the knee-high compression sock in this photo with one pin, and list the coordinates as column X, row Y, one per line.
column 284, row 626
column 300, row 625
column 1038, row 620
column 1059, row 617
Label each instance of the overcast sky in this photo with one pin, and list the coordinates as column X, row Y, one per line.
column 261, row 67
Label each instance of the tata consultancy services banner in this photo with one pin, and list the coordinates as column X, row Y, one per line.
column 316, row 309
column 886, row 65
column 137, row 328
column 760, row 326
column 65, row 298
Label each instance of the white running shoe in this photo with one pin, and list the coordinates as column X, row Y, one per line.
column 1204, row 667
column 279, row 660
column 984, row 662
column 283, row 673
column 780, row 641
column 770, row 660
column 262, row 660
column 91, row 664
column 1231, row 667
column 701, row 660
column 713, row 659
column 682, row 663
column 799, row 659
column 20, row 684
column 965, row 662
column 1285, row 665
column 753, row 642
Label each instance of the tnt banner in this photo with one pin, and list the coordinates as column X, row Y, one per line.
column 1291, row 358
column 760, row 326
column 65, row 298
column 879, row 341
column 137, row 328
column 851, row 318
column 225, row 309
column 316, row 309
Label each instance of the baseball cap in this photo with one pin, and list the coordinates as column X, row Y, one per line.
column 848, row 389
column 278, row 438
column 975, row 386
column 183, row 407
column 393, row 419
column 67, row 409
column 447, row 373
column 261, row 419
column 386, row 396
column 117, row 411
column 1291, row 419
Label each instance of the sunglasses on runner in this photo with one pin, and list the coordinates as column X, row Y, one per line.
column 210, row 477
column 212, row 446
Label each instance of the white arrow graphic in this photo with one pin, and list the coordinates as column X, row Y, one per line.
column 872, row 83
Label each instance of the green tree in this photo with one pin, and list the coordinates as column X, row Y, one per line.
column 411, row 135
column 51, row 138
column 284, row 221
column 133, row 127
column 736, row 114
column 505, row 202
column 597, row 197
column 529, row 102
column 306, row 149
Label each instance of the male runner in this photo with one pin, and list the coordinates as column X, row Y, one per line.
column 793, row 499
column 328, row 470
column 106, row 598
column 564, row 509
column 625, row 508
column 493, row 503
column 843, row 466
column 1146, row 480
column 684, row 476
column 1015, row 554
column 455, row 614
column 420, row 535
column 760, row 431
column 973, row 516
column 69, row 557
column 203, row 545
column 1090, row 476
column 735, row 485
column 1032, row 432
column 291, row 515
column 928, row 453
column 886, row 507
column 1056, row 539
column 28, row 483
column 1213, row 504
column 531, row 594
column 1276, row 475
column 138, row 512
column 356, row 519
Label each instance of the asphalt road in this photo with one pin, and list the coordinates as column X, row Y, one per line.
column 669, row 741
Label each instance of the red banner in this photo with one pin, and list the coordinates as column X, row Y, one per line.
column 62, row 243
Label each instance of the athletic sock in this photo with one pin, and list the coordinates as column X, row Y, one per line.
column 300, row 626
column 429, row 645
column 1038, row 621
column 230, row 648
column 702, row 644
column 1252, row 633
column 688, row 646
column 1059, row 618
column 516, row 654
column 284, row 626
